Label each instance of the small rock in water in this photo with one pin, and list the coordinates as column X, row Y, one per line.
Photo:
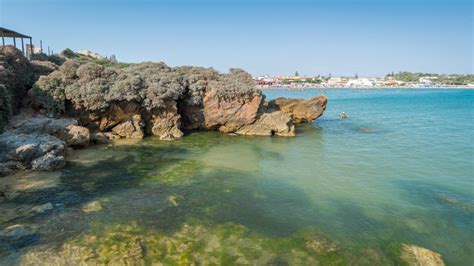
column 14, row 232
column 100, row 138
column 43, row 208
column 320, row 245
column 415, row 255
column 92, row 207
column 173, row 200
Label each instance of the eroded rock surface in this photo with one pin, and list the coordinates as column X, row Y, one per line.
column 418, row 256
column 33, row 141
column 34, row 150
column 228, row 115
column 301, row 110
column 274, row 123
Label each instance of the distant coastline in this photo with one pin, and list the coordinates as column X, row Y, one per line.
column 362, row 88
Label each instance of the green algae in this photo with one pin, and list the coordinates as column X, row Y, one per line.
column 197, row 244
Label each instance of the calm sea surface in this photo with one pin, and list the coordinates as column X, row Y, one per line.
column 399, row 170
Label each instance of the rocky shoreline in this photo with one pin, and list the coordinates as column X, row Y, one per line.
column 70, row 104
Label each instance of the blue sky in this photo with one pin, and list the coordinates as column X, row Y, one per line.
column 341, row 37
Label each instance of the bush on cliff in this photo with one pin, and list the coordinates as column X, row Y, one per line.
column 92, row 87
column 16, row 77
column 112, row 61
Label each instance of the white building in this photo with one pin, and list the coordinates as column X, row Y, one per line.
column 426, row 81
column 359, row 82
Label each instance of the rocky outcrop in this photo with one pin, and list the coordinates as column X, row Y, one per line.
column 36, row 142
column 77, row 136
column 33, row 150
column 65, row 129
column 132, row 128
column 301, row 110
column 156, row 100
column 418, row 256
column 164, row 123
column 274, row 123
column 228, row 115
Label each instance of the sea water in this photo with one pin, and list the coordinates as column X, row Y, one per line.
column 399, row 170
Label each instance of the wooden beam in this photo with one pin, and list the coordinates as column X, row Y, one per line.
column 14, row 41
column 22, row 47
column 3, row 41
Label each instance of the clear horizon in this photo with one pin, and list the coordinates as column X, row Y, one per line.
column 343, row 37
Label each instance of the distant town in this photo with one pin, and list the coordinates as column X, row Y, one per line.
column 392, row 80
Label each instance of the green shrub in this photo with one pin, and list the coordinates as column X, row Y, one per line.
column 93, row 87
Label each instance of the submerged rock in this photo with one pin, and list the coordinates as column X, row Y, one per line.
column 92, row 207
column 419, row 256
column 14, row 232
column 43, row 208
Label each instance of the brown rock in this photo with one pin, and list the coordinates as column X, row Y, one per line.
column 77, row 136
column 275, row 123
column 165, row 123
column 301, row 110
column 419, row 256
column 128, row 129
column 228, row 115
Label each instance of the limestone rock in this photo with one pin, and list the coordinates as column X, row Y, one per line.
column 48, row 162
column 165, row 123
column 301, row 110
column 228, row 115
column 132, row 128
column 28, row 148
column 77, row 136
column 27, row 123
column 275, row 123
column 419, row 256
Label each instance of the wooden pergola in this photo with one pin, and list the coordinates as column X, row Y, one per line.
column 6, row 33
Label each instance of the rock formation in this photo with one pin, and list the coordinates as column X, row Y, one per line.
column 36, row 142
column 300, row 110
column 414, row 255
column 154, row 99
column 78, row 102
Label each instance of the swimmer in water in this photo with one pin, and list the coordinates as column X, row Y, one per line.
column 343, row 116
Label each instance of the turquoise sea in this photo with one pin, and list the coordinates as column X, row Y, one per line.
column 399, row 170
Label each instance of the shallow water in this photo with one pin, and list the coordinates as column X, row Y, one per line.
column 398, row 170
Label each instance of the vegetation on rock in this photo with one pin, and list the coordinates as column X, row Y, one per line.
column 16, row 77
column 93, row 87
